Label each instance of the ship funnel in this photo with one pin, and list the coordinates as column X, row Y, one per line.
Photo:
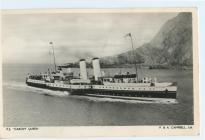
column 83, row 71
column 96, row 68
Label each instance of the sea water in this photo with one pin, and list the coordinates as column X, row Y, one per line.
column 30, row 106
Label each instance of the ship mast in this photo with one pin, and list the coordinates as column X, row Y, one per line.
column 134, row 57
column 54, row 59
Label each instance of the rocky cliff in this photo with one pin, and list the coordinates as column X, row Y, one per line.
column 172, row 46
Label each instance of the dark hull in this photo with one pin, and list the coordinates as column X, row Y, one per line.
column 36, row 85
column 148, row 94
column 72, row 91
column 118, row 93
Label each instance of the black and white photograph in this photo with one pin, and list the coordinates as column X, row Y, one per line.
column 99, row 68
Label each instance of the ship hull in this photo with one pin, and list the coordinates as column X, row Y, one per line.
column 98, row 90
column 148, row 94
column 38, row 85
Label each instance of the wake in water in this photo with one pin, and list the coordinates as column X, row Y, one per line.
column 132, row 101
column 23, row 87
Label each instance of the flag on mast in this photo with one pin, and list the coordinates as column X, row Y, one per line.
column 50, row 51
column 129, row 34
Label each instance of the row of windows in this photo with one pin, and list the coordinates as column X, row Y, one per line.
column 107, row 87
column 100, row 87
column 37, row 81
column 65, row 86
column 59, row 85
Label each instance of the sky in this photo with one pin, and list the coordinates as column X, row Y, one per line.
column 26, row 37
